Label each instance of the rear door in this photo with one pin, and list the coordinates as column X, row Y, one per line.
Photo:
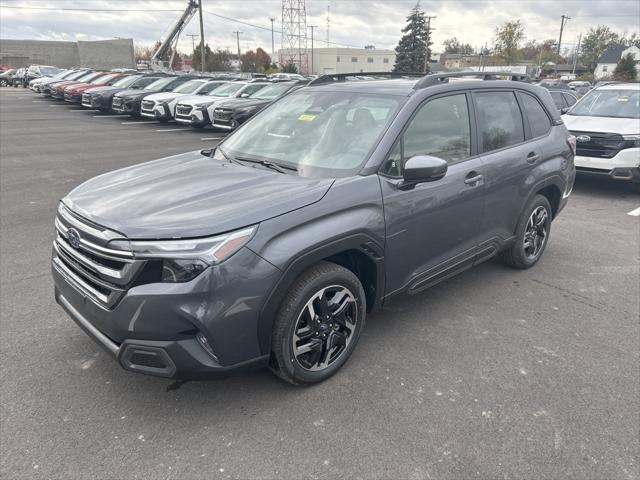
column 512, row 147
column 432, row 229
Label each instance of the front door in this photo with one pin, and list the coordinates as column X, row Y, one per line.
column 432, row 229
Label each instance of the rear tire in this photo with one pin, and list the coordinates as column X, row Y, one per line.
column 318, row 324
column 532, row 235
column 3, row 83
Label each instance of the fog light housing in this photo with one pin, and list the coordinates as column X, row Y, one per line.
column 177, row 271
column 206, row 346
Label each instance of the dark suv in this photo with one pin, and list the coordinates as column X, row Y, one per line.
column 271, row 248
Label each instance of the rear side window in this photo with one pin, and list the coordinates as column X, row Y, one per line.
column 570, row 99
column 538, row 119
column 557, row 99
column 500, row 120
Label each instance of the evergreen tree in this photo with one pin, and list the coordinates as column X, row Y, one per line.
column 412, row 51
column 626, row 69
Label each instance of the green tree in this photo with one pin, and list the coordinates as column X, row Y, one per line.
column 632, row 41
column 594, row 44
column 214, row 60
column 412, row 50
column 290, row 68
column 258, row 61
column 626, row 69
column 453, row 45
column 507, row 42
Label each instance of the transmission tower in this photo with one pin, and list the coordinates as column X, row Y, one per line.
column 294, row 34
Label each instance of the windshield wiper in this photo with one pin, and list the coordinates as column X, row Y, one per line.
column 269, row 164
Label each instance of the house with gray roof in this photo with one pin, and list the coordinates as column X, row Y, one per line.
column 610, row 58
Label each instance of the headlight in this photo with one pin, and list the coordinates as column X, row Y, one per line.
column 633, row 139
column 210, row 250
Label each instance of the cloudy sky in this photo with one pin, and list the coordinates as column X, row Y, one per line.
column 353, row 22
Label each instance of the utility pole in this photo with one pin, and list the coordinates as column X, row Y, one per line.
column 193, row 41
column 575, row 60
column 427, row 55
column 563, row 21
column 312, row 27
column 201, row 37
column 273, row 51
column 238, row 39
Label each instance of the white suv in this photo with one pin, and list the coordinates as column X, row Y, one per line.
column 606, row 124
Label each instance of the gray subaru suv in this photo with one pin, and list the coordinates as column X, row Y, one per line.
column 270, row 249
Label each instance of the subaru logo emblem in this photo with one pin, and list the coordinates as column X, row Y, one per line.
column 74, row 237
column 583, row 138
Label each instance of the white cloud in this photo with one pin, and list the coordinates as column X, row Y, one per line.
column 353, row 22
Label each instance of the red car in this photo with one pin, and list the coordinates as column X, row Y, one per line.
column 57, row 91
column 73, row 93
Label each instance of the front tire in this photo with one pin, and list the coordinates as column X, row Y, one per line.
column 532, row 235
column 318, row 324
column 3, row 83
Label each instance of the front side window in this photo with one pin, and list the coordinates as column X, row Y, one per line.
column 226, row 90
column 126, row 81
column 538, row 119
column 251, row 89
column 271, row 92
column 209, row 87
column 159, row 84
column 189, row 87
column 440, row 129
column 500, row 120
column 321, row 134
column 570, row 99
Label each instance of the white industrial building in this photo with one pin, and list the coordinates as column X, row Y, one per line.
column 340, row 60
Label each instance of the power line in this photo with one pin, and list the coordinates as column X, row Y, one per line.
column 66, row 9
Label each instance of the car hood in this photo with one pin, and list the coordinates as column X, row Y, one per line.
column 134, row 92
column 80, row 86
column 100, row 89
column 243, row 103
column 623, row 126
column 166, row 96
column 190, row 195
column 195, row 100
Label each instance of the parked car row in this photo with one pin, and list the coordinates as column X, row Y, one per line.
column 222, row 102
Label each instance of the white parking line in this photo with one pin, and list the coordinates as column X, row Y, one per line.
column 76, row 110
column 634, row 213
column 106, row 116
column 138, row 123
column 59, row 105
column 39, row 101
column 211, row 138
column 173, row 130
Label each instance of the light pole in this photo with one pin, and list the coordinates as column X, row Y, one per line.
column 312, row 27
column 563, row 21
column 201, row 37
column 273, row 52
column 238, row 39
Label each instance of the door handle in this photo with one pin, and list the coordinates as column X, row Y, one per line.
column 533, row 157
column 474, row 180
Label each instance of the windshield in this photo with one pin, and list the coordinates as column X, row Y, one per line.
column 49, row 70
column 272, row 91
column 189, row 87
column 126, row 81
column 227, row 90
column 103, row 79
column 325, row 134
column 159, row 84
column 62, row 74
column 85, row 77
column 609, row 103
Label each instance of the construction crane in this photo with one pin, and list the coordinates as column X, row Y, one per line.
column 172, row 38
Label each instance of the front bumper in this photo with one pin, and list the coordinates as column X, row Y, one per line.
column 72, row 98
column 158, row 112
column 195, row 117
column 624, row 166
column 155, row 328
column 127, row 107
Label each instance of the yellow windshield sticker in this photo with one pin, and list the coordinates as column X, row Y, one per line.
column 306, row 118
column 623, row 99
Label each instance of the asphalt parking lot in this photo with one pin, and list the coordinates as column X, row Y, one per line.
column 496, row 373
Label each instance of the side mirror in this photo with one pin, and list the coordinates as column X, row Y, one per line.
column 202, row 92
column 564, row 110
column 244, row 95
column 423, row 168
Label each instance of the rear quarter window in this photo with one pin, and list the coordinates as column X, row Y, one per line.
column 538, row 120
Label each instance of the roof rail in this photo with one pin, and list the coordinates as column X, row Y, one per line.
column 439, row 78
column 342, row 77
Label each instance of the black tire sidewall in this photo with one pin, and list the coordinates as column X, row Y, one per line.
column 537, row 201
column 291, row 309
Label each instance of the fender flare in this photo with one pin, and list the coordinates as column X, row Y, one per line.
column 554, row 180
column 305, row 259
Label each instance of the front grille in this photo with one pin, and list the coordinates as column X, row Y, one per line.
column 102, row 273
column 600, row 145
column 147, row 105
column 222, row 115
column 183, row 110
